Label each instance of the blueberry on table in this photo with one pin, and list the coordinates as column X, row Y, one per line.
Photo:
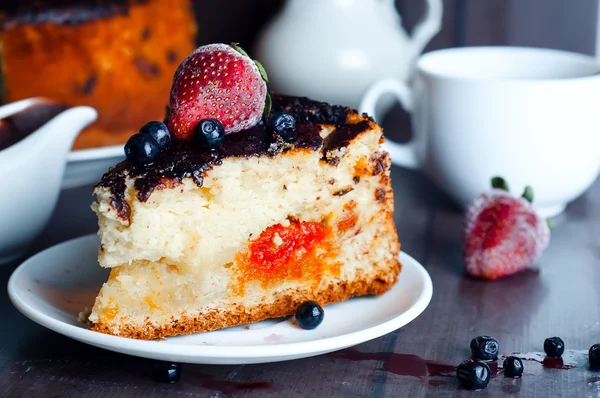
column 594, row 356
column 513, row 367
column 473, row 374
column 166, row 372
column 309, row 315
column 484, row 347
column 554, row 346
column 159, row 132
column 210, row 132
column 283, row 124
column 141, row 149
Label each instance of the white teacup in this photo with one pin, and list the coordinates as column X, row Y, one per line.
column 529, row 115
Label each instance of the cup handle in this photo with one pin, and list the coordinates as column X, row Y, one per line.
column 402, row 154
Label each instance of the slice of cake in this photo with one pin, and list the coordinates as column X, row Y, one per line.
column 204, row 237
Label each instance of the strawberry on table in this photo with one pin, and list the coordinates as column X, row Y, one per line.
column 503, row 234
column 217, row 81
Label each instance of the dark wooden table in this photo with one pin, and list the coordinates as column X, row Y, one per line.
column 561, row 299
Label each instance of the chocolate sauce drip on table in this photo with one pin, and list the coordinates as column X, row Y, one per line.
column 232, row 387
column 61, row 12
column 16, row 127
column 556, row 363
column 400, row 364
column 189, row 160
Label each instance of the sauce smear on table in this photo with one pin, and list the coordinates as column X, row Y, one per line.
column 400, row 364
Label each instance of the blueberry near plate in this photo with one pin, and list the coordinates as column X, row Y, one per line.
column 166, row 372
column 309, row 315
column 484, row 347
column 554, row 347
column 513, row 366
column 594, row 356
column 473, row 374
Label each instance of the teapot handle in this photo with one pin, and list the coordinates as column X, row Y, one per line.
column 428, row 27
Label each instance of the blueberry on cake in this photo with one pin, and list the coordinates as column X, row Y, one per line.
column 241, row 206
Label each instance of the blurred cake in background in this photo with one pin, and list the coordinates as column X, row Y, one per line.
column 118, row 56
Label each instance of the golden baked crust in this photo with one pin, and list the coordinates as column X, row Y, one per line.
column 285, row 304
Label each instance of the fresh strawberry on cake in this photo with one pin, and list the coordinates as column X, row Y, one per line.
column 241, row 207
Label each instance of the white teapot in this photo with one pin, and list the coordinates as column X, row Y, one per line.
column 332, row 50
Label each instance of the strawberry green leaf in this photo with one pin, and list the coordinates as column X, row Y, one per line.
column 239, row 49
column 268, row 103
column 499, row 183
column 551, row 224
column 262, row 71
column 528, row 194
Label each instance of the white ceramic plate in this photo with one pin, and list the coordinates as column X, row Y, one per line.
column 86, row 166
column 53, row 286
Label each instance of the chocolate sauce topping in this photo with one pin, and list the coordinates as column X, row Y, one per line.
column 19, row 125
column 345, row 134
column 189, row 160
column 61, row 12
column 309, row 111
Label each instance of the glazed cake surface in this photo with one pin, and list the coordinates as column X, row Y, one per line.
column 203, row 240
column 116, row 56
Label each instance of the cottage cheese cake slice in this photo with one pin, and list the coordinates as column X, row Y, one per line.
column 262, row 214
column 199, row 242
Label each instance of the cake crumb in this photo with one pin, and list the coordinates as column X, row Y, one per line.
column 84, row 316
column 247, row 327
column 277, row 240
